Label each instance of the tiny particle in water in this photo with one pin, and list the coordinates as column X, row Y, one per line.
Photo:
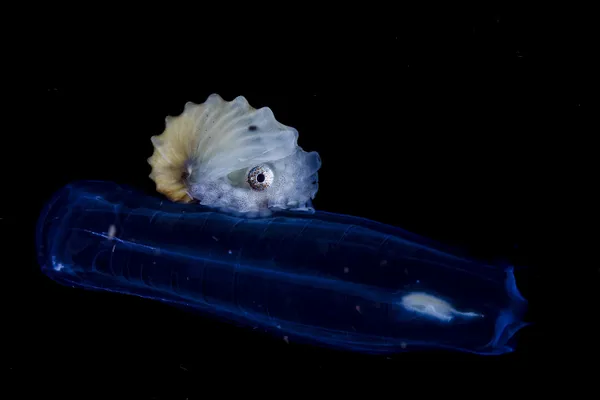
column 182, row 367
column 215, row 238
column 229, row 251
column 358, row 309
column 406, row 271
column 346, row 269
column 383, row 262
column 285, row 339
column 403, row 345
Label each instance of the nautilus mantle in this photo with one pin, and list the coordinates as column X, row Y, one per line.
column 316, row 277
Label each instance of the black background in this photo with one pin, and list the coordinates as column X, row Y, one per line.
column 462, row 127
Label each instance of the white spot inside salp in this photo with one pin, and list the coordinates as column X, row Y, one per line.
column 229, row 251
column 112, row 231
column 286, row 339
column 432, row 307
column 278, row 326
column 346, row 270
column 113, row 249
column 403, row 345
column 56, row 265
column 216, row 239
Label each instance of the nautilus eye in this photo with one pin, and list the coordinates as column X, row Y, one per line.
column 260, row 177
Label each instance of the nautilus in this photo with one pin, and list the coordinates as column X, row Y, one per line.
column 230, row 156
column 232, row 234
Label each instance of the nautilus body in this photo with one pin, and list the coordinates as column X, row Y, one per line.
column 317, row 277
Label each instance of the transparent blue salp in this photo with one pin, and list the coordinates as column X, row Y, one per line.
column 328, row 279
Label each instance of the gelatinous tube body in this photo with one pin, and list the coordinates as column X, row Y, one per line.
column 331, row 279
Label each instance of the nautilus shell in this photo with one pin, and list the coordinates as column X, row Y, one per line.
column 231, row 156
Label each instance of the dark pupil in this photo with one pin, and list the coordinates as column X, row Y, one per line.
column 260, row 178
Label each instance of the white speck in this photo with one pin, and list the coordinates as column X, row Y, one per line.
column 346, row 270
column 285, row 339
column 215, row 238
column 278, row 326
column 113, row 249
column 229, row 251
column 358, row 309
column 112, row 230
column 403, row 345
column 418, row 281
